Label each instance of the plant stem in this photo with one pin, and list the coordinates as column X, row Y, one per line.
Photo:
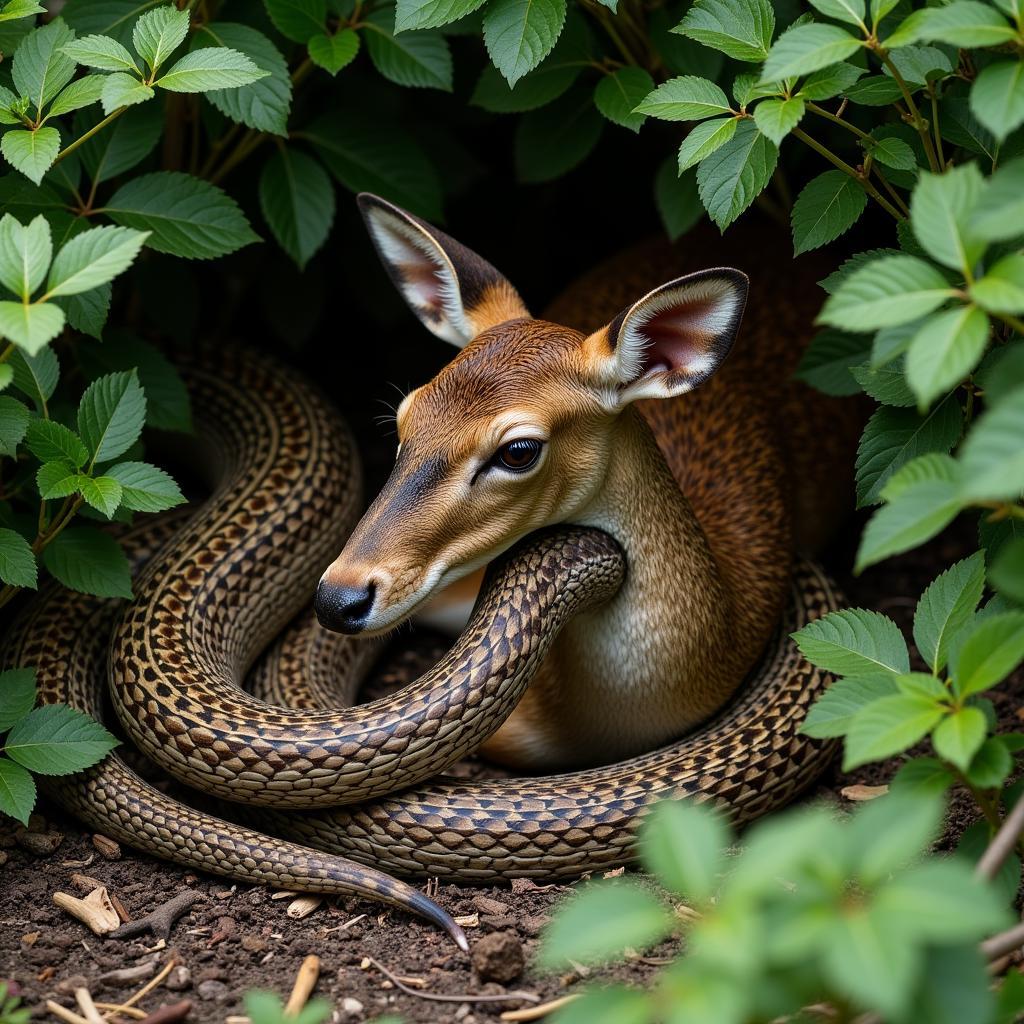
column 1003, row 843
column 89, row 134
column 919, row 122
column 1011, row 321
column 7, row 352
column 1003, row 943
column 896, row 197
column 935, row 125
column 822, row 112
column 847, row 169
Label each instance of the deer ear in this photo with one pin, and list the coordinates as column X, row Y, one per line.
column 674, row 338
column 454, row 292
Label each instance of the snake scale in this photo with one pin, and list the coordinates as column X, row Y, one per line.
column 217, row 587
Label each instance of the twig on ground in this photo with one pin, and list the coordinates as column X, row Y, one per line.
column 1003, row 943
column 64, row 1014
column 88, row 1007
column 172, row 961
column 113, row 1010
column 527, row 997
column 1003, row 843
column 305, row 982
column 95, row 910
column 160, row 921
column 170, row 1014
column 537, row 1012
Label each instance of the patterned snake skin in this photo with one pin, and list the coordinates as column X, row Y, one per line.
column 232, row 576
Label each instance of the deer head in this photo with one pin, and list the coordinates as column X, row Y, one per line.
column 516, row 432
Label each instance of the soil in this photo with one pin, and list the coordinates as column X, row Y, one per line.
column 238, row 938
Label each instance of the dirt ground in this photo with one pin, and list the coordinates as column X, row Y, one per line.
column 237, row 938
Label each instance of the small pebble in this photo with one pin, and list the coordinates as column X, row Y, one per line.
column 108, row 849
column 253, row 944
column 39, row 844
column 486, row 905
column 211, row 974
column 67, row 986
column 215, row 991
column 534, row 924
column 179, row 979
column 499, row 957
column 351, row 1006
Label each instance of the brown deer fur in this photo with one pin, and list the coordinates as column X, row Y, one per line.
column 709, row 493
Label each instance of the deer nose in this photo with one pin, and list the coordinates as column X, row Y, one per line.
column 344, row 609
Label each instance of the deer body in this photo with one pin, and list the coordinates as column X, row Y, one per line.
column 692, row 473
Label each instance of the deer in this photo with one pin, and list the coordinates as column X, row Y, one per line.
column 638, row 406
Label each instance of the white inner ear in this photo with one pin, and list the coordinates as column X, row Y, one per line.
column 678, row 334
column 424, row 275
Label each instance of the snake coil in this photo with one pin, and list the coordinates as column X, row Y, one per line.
column 218, row 587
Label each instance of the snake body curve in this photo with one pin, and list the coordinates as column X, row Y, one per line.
column 227, row 582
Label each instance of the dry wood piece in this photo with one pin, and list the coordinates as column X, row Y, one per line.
column 305, row 982
column 85, row 883
column 64, row 1014
column 160, row 921
column 106, row 848
column 95, row 910
column 125, row 976
column 859, row 793
column 88, row 1007
column 541, row 1011
column 303, row 906
column 468, row 921
column 122, row 1011
column 467, row 997
column 170, row 1014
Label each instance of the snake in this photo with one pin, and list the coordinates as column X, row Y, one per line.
column 336, row 797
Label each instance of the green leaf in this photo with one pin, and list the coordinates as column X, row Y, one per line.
column 946, row 607
column 111, row 414
column 893, row 437
column 31, row 327
column 886, row 292
column 1007, row 573
column 686, row 98
column 621, row 93
column 48, row 440
column 17, row 791
column 601, row 921
column 89, row 561
column 412, row 14
column 101, row 52
column 915, row 515
column 145, row 488
column 990, row 767
column 31, row 152
column 854, row 642
column 888, row 726
column 830, row 81
column 997, row 97
column 40, row 68
column 297, row 199
column 958, row 736
column 922, row 775
column 519, row 34
column 964, row 23
column 122, row 90
column 608, row 1004
column 885, row 384
column 210, row 68
column 416, row 59
column 367, row 155
column 874, row 91
column 850, row 11
column 806, row 48
column 25, row 254
column 6, row 376
column 732, row 177
column 334, row 52
column 17, row 562
column 891, row 833
column 893, row 152
column 158, row 33
column 739, row 28
column 15, row 9
column 991, row 651
column 265, row 103
column 828, row 205
column 80, row 93
column 834, row 711
column 103, row 493
column 704, row 139
column 676, row 198
column 681, row 844
column 999, row 213
column 57, row 479
column 554, row 139
column 17, row 695
column 945, row 350
column 187, row 216
column 93, row 258
column 58, row 740
column 828, row 361
column 14, row 420
column 940, row 212
column 777, row 118
column 992, row 455
column 88, row 311
column 1001, row 290
column 35, row 376
column 920, row 64
column 121, row 145
column 298, row 20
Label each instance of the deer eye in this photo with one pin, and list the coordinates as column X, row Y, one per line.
column 519, row 455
